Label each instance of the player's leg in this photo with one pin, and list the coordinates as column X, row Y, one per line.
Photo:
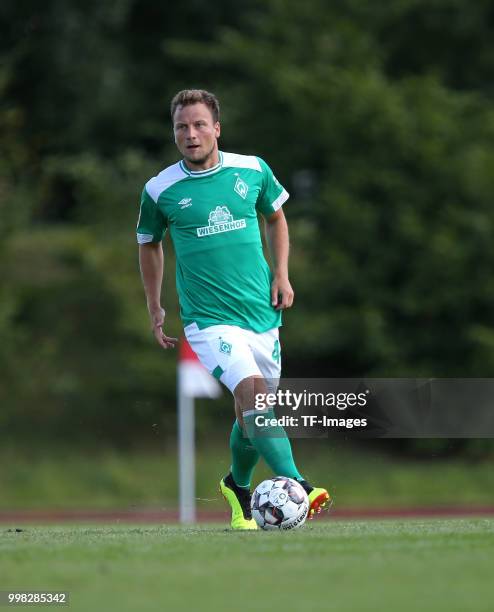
column 267, row 353
column 244, row 455
column 223, row 351
column 268, row 438
column 235, row 486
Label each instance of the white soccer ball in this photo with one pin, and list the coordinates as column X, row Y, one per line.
column 279, row 503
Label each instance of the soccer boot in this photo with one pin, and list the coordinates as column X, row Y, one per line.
column 319, row 498
column 239, row 500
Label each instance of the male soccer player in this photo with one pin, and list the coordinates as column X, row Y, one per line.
column 230, row 302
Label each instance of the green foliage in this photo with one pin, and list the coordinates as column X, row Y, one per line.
column 379, row 120
column 67, row 367
column 395, row 242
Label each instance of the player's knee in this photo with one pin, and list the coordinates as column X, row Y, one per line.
column 247, row 391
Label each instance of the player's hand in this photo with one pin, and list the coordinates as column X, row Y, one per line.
column 157, row 320
column 281, row 293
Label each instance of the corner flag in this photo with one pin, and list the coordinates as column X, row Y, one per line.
column 193, row 378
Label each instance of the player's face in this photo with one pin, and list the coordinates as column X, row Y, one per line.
column 196, row 135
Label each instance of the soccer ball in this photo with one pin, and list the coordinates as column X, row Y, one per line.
column 279, row 503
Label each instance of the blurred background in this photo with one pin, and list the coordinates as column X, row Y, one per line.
column 379, row 120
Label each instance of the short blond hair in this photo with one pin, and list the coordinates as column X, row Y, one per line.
column 193, row 96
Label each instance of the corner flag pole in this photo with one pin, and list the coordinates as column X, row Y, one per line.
column 193, row 381
column 186, row 458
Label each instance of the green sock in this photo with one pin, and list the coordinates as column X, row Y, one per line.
column 244, row 457
column 272, row 443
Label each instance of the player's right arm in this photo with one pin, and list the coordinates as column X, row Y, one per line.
column 150, row 230
column 151, row 264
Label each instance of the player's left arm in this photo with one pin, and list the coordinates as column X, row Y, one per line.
column 278, row 244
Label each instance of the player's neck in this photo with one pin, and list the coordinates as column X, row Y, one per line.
column 212, row 160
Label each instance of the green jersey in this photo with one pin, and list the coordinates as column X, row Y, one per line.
column 222, row 275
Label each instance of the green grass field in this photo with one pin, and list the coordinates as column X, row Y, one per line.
column 434, row 565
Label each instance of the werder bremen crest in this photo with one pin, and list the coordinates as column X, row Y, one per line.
column 225, row 347
column 220, row 220
column 241, row 188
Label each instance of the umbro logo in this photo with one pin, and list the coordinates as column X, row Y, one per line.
column 185, row 203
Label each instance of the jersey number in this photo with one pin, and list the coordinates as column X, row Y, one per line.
column 276, row 351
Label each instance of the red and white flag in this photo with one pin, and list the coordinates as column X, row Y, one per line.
column 193, row 378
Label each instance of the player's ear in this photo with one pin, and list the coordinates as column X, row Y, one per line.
column 217, row 129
